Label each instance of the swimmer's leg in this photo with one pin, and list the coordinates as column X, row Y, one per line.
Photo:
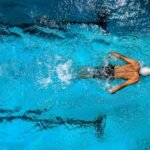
column 86, row 73
column 85, row 76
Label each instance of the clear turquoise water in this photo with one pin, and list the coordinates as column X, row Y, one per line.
column 38, row 82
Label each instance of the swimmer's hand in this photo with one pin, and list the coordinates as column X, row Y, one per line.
column 114, row 54
column 110, row 91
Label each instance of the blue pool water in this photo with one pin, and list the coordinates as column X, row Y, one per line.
column 38, row 83
column 43, row 105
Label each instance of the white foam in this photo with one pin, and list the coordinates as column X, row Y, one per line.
column 78, row 5
column 122, row 2
column 63, row 71
column 58, row 57
column 42, row 80
column 45, row 82
column 107, row 85
column 106, row 61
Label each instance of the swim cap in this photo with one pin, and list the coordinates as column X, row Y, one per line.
column 145, row 71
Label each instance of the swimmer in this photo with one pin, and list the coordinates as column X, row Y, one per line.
column 130, row 72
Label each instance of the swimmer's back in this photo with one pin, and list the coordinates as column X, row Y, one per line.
column 127, row 71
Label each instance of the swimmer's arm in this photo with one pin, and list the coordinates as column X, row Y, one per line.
column 128, row 60
column 117, row 88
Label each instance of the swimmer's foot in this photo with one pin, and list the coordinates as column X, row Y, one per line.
column 84, row 76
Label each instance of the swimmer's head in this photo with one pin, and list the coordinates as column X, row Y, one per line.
column 145, row 71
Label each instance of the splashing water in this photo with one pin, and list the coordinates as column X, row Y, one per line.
column 39, row 60
column 64, row 72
